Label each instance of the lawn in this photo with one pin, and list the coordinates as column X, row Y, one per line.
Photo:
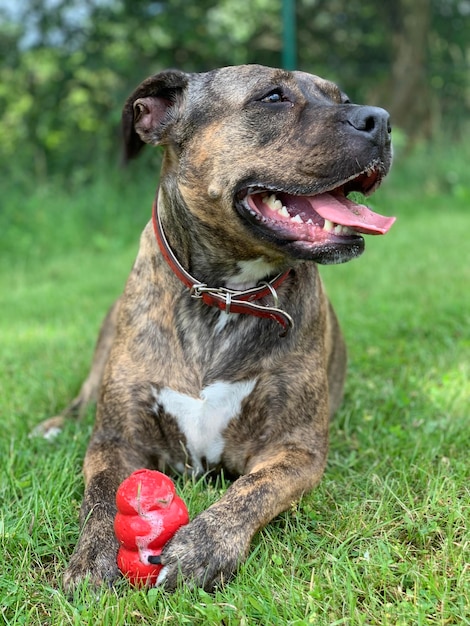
column 384, row 540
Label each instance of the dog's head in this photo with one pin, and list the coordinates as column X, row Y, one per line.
column 266, row 156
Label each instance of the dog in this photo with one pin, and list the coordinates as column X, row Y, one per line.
column 223, row 350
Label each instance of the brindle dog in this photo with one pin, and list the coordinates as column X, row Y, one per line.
column 223, row 350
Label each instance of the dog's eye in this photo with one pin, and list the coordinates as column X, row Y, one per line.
column 275, row 97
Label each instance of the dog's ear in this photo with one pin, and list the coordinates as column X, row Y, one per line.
column 149, row 112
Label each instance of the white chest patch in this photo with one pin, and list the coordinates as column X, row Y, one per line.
column 203, row 419
column 249, row 274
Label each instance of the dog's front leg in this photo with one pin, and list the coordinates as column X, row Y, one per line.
column 108, row 462
column 209, row 549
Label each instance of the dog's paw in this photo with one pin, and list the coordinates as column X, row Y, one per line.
column 94, row 564
column 205, row 553
column 49, row 428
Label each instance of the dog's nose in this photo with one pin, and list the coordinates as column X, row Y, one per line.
column 372, row 121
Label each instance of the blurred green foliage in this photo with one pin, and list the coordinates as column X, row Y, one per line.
column 67, row 66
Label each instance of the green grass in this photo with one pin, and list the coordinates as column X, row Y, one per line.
column 384, row 540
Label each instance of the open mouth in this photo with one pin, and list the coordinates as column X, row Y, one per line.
column 322, row 220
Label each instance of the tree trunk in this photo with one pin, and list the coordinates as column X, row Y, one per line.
column 409, row 102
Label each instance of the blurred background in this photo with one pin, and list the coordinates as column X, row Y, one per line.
column 68, row 65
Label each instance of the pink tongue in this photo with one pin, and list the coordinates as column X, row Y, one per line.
column 340, row 210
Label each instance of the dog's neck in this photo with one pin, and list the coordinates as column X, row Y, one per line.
column 251, row 300
column 209, row 261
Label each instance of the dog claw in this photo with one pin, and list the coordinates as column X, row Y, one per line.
column 155, row 560
column 162, row 576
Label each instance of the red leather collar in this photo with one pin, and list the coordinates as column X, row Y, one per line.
column 228, row 300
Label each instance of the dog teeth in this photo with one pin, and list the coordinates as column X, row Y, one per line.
column 272, row 202
column 276, row 205
column 342, row 230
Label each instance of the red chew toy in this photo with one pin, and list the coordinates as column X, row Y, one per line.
column 149, row 514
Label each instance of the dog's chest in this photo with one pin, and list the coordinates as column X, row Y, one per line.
column 203, row 419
